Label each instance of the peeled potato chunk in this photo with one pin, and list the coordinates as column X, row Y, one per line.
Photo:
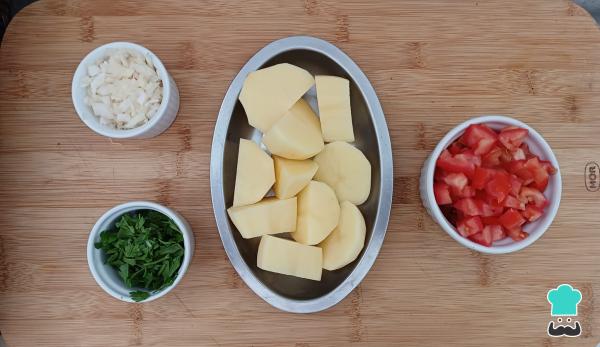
column 346, row 169
column 289, row 258
column 333, row 97
column 297, row 135
column 254, row 176
column 318, row 213
column 346, row 241
column 268, row 93
column 270, row 216
column 291, row 176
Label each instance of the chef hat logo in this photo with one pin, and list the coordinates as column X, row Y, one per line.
column 564, row 300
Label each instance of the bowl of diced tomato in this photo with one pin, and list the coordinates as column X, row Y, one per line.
column 493, row 184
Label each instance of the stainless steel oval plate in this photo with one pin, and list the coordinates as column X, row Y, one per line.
column 285, row 292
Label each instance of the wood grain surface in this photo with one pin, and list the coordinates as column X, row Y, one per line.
column 433, row 64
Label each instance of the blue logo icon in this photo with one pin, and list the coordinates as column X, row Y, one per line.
column 564, row 300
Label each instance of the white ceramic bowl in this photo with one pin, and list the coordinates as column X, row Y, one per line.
column 536, row 144
column 161, row 121
column 106, row 275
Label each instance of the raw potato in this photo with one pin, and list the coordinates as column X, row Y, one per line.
column 346, row 241
column 346, row 169
column 289, row 258
column 333, row 97
column 318, row 213
column 291, row 176
column 268, row 93
column 270, row 216
column 297, row 135
column 254, row 176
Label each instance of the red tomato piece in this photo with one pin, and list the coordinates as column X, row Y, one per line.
column 484, row 238
column 532, row 212
column 525, row 148
column 499, row 186
column 495, row 157
column 450, row 163
column 456, row 180
column 497, row 232
column 518, row 154
column 548, row 166
column 540, row 175
column 480, row 138
column 456, row 147
column 466, row 192
column 512, row 137
column 469, row 226
column 469, row 156
column 481, row 177
column 514, row 165
column 516, row 234
column 488, row 210
column 530, row 194
column 442, row 193
column 511, row 219
column 515, row 185
column 512, row 202
column 492, row 220
column 467, row 206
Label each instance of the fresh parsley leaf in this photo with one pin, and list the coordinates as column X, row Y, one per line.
column 146, row 249
column 139, row 295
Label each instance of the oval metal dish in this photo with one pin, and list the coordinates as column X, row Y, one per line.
column 285, row 292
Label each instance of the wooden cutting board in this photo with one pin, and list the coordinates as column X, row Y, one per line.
column 433, row 64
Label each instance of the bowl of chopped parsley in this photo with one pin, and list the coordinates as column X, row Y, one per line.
column 139, row 251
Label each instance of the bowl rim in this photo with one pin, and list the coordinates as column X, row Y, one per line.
column 552, row 209
column 117, row 211
column 81, row 108
column 386, row 184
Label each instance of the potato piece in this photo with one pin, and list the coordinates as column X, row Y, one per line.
column 318, row 213
column 297, row 135
column 289, row 258
column 346, row 169
column 254, row 176
column 270, row 216
column 291, row 176
column 346, row 241
column 268, row 93
column 333, row 97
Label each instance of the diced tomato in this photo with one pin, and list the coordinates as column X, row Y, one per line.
column 499, row 186
column 468, row 206
column 442, row 193
column 497, row 231
column 495, row 157
column 514, row 165
column 492, row 220
column 481, row 177
column 469, row 156
column 456, row 147
column 532, row 212
column 469, row 226
column 548, row 166
column 518, row 154
column 487, row 209
column 480, row 138
column 511, row 219
column 512, row 202
column 515, row 185
column 540, row 175
column 512, row 138
column 456, row 180
column 484, row 238
column 530, row 194
column 466, row 192
column 516, row 234
column 525, row 148
column 451, row 163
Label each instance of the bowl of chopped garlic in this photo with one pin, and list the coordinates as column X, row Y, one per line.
column 122, row 90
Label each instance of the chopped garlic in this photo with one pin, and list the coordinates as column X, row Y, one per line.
column 123, row 89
